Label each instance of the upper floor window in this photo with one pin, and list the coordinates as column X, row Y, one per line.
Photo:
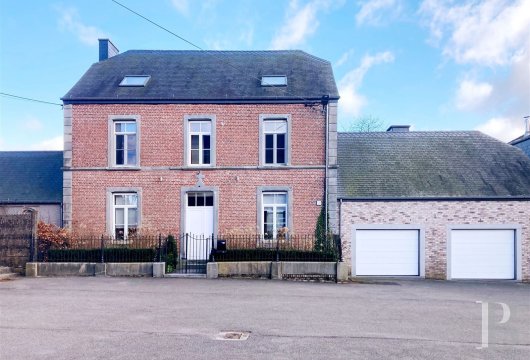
column 199, row 140
column 275, row 141
column 125, row 143
column 125, row 215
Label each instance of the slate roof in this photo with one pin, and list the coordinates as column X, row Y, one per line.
column 430, row 165
column 205, row 76
column 31, row 177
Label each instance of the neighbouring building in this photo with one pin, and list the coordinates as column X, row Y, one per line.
column 444, row 205
column 523, row 141
column 200, row 142
column 32, row 181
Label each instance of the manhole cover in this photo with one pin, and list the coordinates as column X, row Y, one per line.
column 233, row 335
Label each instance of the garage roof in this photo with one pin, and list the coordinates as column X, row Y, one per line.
column 461, row 164
column 31, row 177
column 205, row 76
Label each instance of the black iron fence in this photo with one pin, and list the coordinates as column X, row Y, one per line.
column 188, row 253
column 102, row 249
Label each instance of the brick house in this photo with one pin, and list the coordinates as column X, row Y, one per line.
column 200, row 142
column 444, row 205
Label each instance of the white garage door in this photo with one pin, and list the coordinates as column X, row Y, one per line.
column 387, row 252
column 482, row 254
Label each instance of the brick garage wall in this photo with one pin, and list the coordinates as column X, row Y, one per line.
column 435, row 216
column 162, row 133
column 161, row 198
column 162, row 146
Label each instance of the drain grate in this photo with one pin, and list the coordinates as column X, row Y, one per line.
column 233, row 335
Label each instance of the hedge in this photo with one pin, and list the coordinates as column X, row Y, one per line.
column 94, row 255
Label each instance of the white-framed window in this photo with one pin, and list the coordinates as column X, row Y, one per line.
column 274, row 210
column 124, row 215
column 274, row 80
column 125, row 143
column 275, row 141
column 135, row 80
column 199, row 142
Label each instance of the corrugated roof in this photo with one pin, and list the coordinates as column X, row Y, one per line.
column 430, row 164
column 188, row 76
column 31, row 177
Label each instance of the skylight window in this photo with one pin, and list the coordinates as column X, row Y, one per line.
column 135, row 80
column 274, row 80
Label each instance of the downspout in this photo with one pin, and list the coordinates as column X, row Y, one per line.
column 340, row 217
column 325, row 102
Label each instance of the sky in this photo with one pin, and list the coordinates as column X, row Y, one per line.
column 432, row 64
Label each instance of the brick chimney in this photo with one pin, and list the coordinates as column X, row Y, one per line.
column 398, row 128
column 107, row 49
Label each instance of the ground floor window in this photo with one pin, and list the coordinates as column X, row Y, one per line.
column 274, row 213
column 125, row 215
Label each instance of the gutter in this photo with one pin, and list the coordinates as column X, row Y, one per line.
column 74, row 101
column 440, row 198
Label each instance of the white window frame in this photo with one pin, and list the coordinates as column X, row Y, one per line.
column 200, row 133
column 126, row 78
column 274, row 212
column 262, row 143
column 112, row 121
column 125, row 213
column 188, row 119
column 274, row 80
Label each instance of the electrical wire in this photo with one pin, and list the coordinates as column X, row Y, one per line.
column 29, row 99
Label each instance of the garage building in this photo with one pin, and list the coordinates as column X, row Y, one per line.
column 443, row 205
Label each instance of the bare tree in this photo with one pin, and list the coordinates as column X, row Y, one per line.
column 367, row 123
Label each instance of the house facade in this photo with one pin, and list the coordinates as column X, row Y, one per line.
column 442, row 205
column 32, row 181
column 200, row 142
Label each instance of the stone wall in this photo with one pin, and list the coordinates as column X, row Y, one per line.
column 436, row 217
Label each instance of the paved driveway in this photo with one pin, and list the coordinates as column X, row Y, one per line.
column 137, row 318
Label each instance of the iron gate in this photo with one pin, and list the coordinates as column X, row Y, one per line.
column 188, row 254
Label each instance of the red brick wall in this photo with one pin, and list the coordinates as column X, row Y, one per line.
column 162, row 145
column 162, row 138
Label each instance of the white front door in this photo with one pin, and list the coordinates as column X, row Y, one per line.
column 482, row 254
column 387, row 252
column 199, row 225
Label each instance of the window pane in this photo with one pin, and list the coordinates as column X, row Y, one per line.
column 206, row 142
column 119, row 127
column 195, row 126
column 200, row 200
column 191, row 199
column 268, row 215
column 119, row 219
column 281, row 126
column 206, row 126
column 268, row 199
column 194, row 156
column 131, row 157
column 280, row 218
column 269, row 156
column 132, row 231
column 119, row 200
column 268, row 126
column 209, row 200
column 280, row 141
column 269, row 141
column 131, row 127
column 280, row 199
column 280, row 156
column 131, row 142
column 131, row 199
column 119, row 157
column 119, row 233
column 194, row 141
column 268, row 231
column 120, row 142
column 206, row 157
column 132, row 217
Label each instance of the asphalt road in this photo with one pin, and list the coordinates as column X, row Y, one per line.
column 145, row 318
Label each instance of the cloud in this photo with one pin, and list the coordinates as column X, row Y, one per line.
column 182, row 6
column 502, row 128
column 344, row 58
column 490, row 32
column 32, row 123
column 300, row 23
column 351, row 101
column 69, row 20
column 372, row 11
column 55, row 143
column 471, row 95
